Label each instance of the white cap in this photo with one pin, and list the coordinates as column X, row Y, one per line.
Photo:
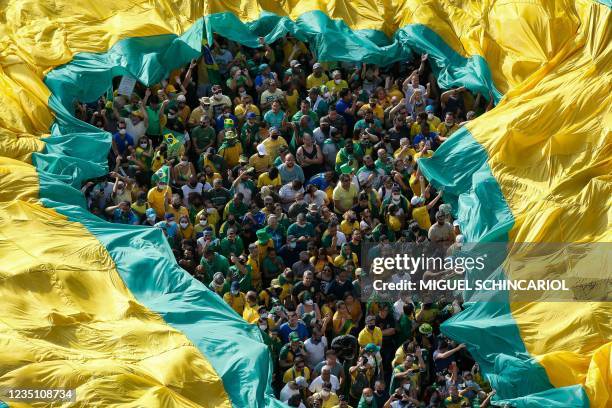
column 301, row 382
column 416, row 200
column 456, row 223
column 261, row 149
column 181, row 98
column 460, row 239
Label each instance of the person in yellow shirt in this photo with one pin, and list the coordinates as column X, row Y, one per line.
column 432, row 119
column 253, row 262
column 176, row 208
column 336, row 83
column 375, row 107
column 245, row 107
column 404, row 151
column 370, row 333
column 235, row 298
column 274, row 142
column 230, row 149
column 299, row 368
column 293, row 49
column 448, row 127
column 185, row 228
column 159, row 198
column 318, row 78
column 420, row 211
column 251, row 309
column 270, row 178
column 424, row 152
column 260, row 161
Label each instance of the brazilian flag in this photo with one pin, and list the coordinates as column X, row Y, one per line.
column 163, row 175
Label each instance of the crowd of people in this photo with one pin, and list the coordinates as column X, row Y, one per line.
column 267, row 171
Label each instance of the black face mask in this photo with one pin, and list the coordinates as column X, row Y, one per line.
column 274, row 137
column 231, row 222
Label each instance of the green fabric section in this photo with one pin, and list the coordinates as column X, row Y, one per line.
column 333, row 40
column 147, row 266
column 488, row 329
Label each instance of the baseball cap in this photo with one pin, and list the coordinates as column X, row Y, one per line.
column 294, row 63
column 301, row 382
column 228, row 123
column 456, row 223
column 316, row 65
column 251, row 115
column 263, row 66
column 371, row 348
column 429, row 108
column 370, row 319
column 205, row 100
column 261, row 149
column 293, row 336
column 181, row 98
column 150, row 213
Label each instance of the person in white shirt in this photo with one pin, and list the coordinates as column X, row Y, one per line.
column 293, row 388
column 192, row 186
column 315, row 348
column 326, row 377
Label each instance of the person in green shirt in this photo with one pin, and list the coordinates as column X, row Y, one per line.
column 350, row 154
column 229, row 223
column 272, row 265
column 303, row 230
column 313, row 118
column 249, row 134
column 384, row 162
column 236, row 207
column 210, row 263
column 241, row 272
column 155, row 111
column 231, row 244
column 202, row 136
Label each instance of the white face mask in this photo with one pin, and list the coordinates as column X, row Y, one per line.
column 171, row 116
column 184, row 224
column 430, row 116
column 218, row 96
column 203, row 222
column 369, row 399
column 337, row 81
column 263, row 326
column 122, row 131
column 183, row 162
column 449, row 123
column 143, row 145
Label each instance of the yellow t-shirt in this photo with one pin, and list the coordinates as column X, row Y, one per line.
column 242, row 110
column 378, row 110
column 236, row 302
column 335, row 88
column 260, row 163
column 398, row 154
column 366, row 337
column 445, row 131
column 291, row 374
column 421, row 216
column 272, row 145
column 231, row 154
column 292, row 101
column 213, row 217
column 415, row 184
column 425, row 155
column 346, row 197
column 347, row 227
column 288, row 49
column 158, row 200
column 250, row 314
column 178, row 213
column 265, row 180
column 314, row 82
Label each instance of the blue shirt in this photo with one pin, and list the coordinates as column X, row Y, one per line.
column 341, row 108
column 171, row 230
column 319, row 181
column 119, row 217
column 259, row 79
column 284, row 331
column 122, row 143
column 287, row 176
column 274, row 119
column 431, row 136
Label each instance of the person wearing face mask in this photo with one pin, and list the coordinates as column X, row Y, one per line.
column 185, row 228
column 370, row 335
column 183, row 171
column 159, row 197
column 218, row 102
column 367, row 399
column 235, row 298
column 122, row 141
column 201, row 224
column 204, row 109
column 432, row 119
column 336, row 83
column 273, row 143
column 169, row 227
column 150, row 217
column 220, row 285
column 380, row 394
column 408, row 372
